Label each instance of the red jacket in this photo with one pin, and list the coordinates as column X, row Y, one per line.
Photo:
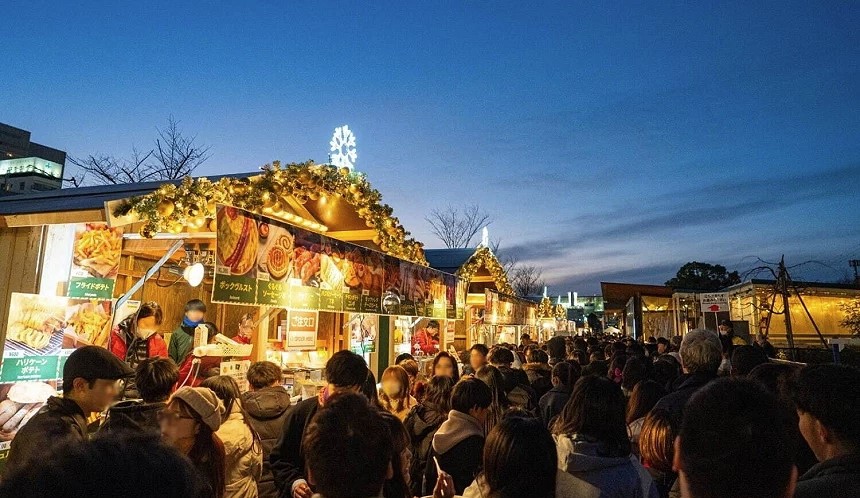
column 191, row 375
column 116, row 344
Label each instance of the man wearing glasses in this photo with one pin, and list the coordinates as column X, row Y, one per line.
column 91, row 381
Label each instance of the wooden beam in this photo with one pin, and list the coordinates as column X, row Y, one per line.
column 53, row 218
column 483, row 279
column 300, row 210
column 353, row 235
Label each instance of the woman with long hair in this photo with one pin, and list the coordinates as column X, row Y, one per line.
column 395, row 397
column 368, row 389
column 445, row 364
column 564, row 376
column 398, row 485
column 422, row 423
column 657, row 449
column 592, row 442
column 188, row 423
column 242, row 445
column 491, row 376
column 644, row 397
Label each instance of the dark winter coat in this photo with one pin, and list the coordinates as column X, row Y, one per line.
column 540, row 377
column 552, row 403
column 286, row 459
column 834, row 478
column 267, row 413
column 133, row 415
column 59, row 421
column 421, row 425
column 675, row 402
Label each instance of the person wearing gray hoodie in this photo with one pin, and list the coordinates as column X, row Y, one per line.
column 266, row 405
column 592, row 443
column 458, row 445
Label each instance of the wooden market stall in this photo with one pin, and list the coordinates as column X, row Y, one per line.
column 168, row 227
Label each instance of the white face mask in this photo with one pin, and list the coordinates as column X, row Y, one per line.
column 146, row 334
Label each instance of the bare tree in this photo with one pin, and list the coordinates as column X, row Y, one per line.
column 172, row 157
column 457, row 228
column 527, row 280
column 508, row 261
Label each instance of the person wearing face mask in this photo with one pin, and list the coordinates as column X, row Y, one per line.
column 395, row 396
column 136, row 338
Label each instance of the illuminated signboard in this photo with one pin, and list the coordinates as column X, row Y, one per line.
column 31, row 165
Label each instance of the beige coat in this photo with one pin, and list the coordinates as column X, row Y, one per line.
column 244, row 456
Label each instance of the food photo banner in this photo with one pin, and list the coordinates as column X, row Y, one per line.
column 266, row 262
column 95, row 261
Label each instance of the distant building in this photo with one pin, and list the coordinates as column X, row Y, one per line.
column 26, row 166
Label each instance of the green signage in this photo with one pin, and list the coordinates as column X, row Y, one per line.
column 352, row 303
column 91, row 287
column 371, row 304
column 273, row 293
column 234, row 290
column 26, row 368
column 331, row 300
column 304, row 298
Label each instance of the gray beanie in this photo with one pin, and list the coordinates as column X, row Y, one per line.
column 205, row 403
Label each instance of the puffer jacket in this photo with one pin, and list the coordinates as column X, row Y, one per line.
column 421, row 425
column 615, row 477
column 267, row 411
column 244, row 456
column 133, row 415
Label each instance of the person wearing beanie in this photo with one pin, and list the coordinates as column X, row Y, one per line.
column 91, row 378
column 182, row 339
column 189, row 423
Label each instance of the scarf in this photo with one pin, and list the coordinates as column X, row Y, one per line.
column 188, row 323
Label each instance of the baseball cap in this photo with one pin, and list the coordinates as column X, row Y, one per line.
column 93, row 362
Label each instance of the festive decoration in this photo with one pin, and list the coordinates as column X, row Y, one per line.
column 343, row 154
column 484, row 258
column 547, row 310
column 191, row 203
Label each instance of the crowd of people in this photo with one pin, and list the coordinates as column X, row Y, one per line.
column 597, row 417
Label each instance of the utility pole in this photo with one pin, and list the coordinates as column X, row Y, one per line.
column 782, row 285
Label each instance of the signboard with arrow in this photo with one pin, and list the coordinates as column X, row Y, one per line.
column 714, row 302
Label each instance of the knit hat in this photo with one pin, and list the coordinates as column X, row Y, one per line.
column 205, row 403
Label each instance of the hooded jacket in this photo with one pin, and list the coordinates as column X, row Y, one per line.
column 836, row 478
column 244, row 456
column 459, row 446
column 421, row 425
column 267, row 411
column 552, row 403
column 133, row 415
column 61, row 420
column 615, row 477
column 540, row 377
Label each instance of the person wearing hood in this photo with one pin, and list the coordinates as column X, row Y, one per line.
column 266, row 405
column 155, row 379
column 458, row 445
column 592, row 443
column 242, row 447
column 90, row 383
column 182, row 339
column 422, row 424
column 136, row 338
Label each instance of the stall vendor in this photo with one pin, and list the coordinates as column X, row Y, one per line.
column 426, row 340
column 197, row 366
column 246, row 328
column 136, row 337
column 182, row 340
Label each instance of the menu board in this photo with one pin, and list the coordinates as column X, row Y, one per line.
column 41, row 333
column 95, row 261
column 262, row 261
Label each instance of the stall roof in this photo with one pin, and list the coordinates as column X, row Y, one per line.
column 448, row 260
column 797, row 283
column 616, row 295
column 83, row 198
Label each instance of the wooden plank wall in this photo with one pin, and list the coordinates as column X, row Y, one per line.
column 20, row 250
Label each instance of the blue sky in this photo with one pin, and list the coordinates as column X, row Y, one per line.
column 611, row 141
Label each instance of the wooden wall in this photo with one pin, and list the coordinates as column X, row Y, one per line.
column 20, row 250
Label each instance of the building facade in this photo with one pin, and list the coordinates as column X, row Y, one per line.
column 26, row 166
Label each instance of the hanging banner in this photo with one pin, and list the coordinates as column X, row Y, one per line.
column 41, row 333
column 95, row 262
column 262, row 261
column 502, row 309
column 302, row 330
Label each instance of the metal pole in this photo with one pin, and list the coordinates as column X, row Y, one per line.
column 789, row 334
